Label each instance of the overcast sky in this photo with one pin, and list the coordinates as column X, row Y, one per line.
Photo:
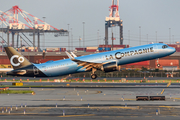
column 151, row 15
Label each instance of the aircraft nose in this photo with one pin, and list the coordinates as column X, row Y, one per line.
column 172, row 50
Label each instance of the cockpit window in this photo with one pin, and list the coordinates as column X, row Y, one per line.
column 164, row 46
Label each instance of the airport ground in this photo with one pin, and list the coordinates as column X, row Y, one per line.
column 105, row 100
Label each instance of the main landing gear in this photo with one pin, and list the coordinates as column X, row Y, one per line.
column 93, row 75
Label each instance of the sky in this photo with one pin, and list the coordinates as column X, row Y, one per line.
column 158, row 19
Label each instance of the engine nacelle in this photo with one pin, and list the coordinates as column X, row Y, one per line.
column 109, row 67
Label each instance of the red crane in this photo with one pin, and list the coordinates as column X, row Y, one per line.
column 13, row 16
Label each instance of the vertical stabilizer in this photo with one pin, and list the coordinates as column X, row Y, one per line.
column 16, row 59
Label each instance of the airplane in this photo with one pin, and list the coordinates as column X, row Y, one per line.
column 104, row 61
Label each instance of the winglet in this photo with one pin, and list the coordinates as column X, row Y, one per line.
column 73, row 54
column 69, row 55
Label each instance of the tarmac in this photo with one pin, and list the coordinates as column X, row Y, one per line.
column 91, row 103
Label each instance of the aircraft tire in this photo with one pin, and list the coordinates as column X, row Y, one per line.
column 93, row 76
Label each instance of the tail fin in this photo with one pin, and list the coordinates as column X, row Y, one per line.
column 16, row 59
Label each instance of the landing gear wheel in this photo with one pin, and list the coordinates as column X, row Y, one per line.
column 93, row 76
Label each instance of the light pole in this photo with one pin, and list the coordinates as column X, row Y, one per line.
column 140, row 35
column 43, row 32
column 68, row 36
column 173, row 39
column 170, row 35
column 129, row 36
column 79, row 41
column 156, row 36
column 83, row 36
column 71, row 40
column 98, row 37
column 2, row 36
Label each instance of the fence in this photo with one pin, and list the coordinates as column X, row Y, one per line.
column 126, row 74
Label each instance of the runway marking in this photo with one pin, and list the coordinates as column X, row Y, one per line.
column 176, row 98
column 77, row 115
column 124, row 107
column 44, row 89
column 119, row 116
column 167, row 106
column 127, row 99
column 25, row 114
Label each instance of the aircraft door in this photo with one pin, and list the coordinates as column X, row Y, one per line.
column 155, row 49
column 36, row 71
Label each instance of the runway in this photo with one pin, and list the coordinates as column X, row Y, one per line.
column 88, row 78
column 104, row 103
column 91, row 85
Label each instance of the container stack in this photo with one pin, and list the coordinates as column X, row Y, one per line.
column 31, row 49
column 103, row 48
column 1, row 49
column 62, row 49
column 52, row 49
column 46, row 60
column 176, row 46
column 117, row 47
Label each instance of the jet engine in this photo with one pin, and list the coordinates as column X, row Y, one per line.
column 109, row 67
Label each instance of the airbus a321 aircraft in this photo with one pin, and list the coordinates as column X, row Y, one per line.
column 105, row 61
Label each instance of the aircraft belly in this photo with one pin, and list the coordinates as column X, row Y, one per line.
column 61, row 71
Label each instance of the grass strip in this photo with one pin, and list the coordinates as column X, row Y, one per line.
column 15, row 91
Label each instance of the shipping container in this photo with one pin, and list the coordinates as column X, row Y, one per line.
column 4, row 61
column 141, row 63
column 62, row 49
column 177, row 49
column 172, row 45
column 122, row 46
column 52, row 49
column 117, row 48
column 104, row 46
column 127, row 46
column 80, row 49
column 46, row 60
column 104, row 49
column 167, row 62
column 91, row 48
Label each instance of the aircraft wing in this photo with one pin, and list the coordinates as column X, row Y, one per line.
column 69, row 55
column 73, row 54
column 87, row 65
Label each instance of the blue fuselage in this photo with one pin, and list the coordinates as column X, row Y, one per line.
column 121, row 57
